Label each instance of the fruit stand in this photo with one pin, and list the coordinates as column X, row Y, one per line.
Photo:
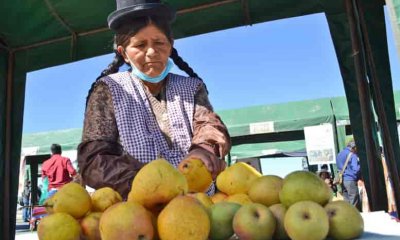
column 74, row 30
column 379, row 225
column 165, row 203
column 388, row 229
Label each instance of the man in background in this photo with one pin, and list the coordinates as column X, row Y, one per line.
column 351, row 173
column 58, row 170
column 26, row 197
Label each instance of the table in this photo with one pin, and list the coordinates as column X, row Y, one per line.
column 380, row 226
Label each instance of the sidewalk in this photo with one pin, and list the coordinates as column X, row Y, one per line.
column 26, row 235
column 22, row 231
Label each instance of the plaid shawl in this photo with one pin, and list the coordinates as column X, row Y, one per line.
column 139, row 132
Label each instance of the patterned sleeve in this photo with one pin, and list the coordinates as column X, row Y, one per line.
column 208, row 128
column 101, row 158
column 99, row 122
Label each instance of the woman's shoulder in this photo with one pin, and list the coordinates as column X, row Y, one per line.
column 115, row 77
column 100, row 87
column 179, row 79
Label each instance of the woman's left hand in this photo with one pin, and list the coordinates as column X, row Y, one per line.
column 210, row 160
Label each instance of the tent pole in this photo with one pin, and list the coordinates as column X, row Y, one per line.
column 7, row 159
column 375, row 201
column 382, row 116
column 246, row 12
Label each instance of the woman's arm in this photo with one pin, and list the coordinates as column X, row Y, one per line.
column 101, row 158
column 208, row 128
column 209, row 133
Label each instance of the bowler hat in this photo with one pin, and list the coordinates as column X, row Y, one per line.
column 127, row 9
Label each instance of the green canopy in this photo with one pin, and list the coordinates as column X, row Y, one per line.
column 289, row 118
column 69, row 139
column 36, row 34
column 282, row 117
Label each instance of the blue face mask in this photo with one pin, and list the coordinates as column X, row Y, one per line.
column 147, row 78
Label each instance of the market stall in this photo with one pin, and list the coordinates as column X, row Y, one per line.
column 65, row 31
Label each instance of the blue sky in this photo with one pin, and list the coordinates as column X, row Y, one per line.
column 280, row 166
column 280, row 61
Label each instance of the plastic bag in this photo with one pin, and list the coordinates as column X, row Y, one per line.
column 44, row 191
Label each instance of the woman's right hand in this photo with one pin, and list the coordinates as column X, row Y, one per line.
column 210, row 160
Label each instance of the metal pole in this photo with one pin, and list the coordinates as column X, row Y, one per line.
column 8, row 146
column 382, row 118
column 375, row 201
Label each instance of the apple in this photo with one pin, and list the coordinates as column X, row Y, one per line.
column 345, row 221
column 265, row 190
column 302, row 186
column 90, row 226
column 279, row 211
column 306, row 220
column 221, row 215
column 254, row 221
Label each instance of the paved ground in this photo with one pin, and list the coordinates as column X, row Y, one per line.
column 22, row 229
column 26, row 235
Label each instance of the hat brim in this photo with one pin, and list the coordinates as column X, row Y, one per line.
column 116, row 18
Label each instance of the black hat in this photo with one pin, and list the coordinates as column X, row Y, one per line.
column 127, row 9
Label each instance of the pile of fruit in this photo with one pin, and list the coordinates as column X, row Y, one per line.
column 170, row 204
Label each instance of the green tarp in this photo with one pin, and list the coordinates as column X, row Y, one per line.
column 68, row 138
column 286, row 117
column 280, row 117
column 77, row 29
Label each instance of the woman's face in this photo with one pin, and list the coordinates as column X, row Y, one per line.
column 324, row 175
column 148, row 50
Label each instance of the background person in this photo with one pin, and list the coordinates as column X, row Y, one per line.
column 58, row 170
column 325, row 175
column 26, row 198
column 351, row 174
column 136, row 116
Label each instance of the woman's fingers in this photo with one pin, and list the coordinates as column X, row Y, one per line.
column 213, row 164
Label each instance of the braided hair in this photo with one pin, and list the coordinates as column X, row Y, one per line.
column 122, row 37
column 182, row 65
column 113, row 67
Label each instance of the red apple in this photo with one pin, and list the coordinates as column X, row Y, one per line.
column 254, row 221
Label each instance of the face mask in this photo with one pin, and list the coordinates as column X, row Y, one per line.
column 146, row 77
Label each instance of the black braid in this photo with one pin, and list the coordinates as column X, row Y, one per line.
column 114, row 66
column 184, row 66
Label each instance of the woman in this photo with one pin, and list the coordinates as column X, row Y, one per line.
column 136, row 116
column 326, row 176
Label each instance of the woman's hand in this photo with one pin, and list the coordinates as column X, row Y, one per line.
column 210, row 160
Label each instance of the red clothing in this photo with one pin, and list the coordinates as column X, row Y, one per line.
column 58, row 170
